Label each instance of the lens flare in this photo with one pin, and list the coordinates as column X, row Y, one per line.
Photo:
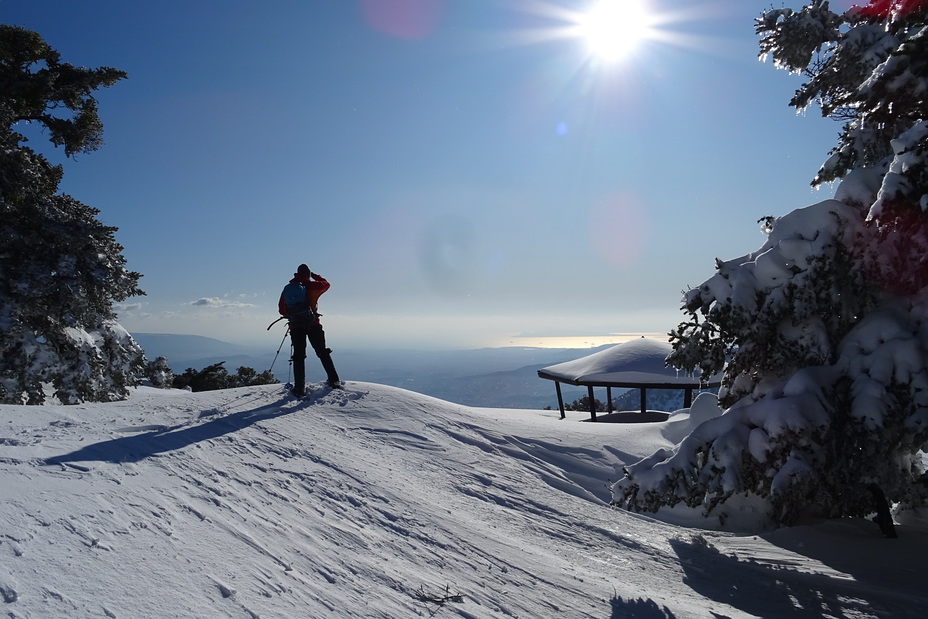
column 405, row 19
column 620, row 228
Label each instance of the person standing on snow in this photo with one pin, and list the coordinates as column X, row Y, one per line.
column 298, row 303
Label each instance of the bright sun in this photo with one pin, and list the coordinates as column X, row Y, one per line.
column 613, row 28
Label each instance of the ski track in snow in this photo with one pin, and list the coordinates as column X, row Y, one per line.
column 354, row 502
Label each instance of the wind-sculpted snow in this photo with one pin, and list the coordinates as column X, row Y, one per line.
column 377, row 502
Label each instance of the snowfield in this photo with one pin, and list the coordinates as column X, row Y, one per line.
column 378, row 502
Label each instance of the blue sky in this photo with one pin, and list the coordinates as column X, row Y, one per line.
column 466, row 173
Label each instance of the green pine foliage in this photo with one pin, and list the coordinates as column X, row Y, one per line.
column 583, row 404
column 215, row 376
column 61, row 269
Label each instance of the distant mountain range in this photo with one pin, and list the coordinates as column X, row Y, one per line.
column 486, row 377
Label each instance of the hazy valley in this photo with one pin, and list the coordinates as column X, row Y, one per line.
column 490, row 377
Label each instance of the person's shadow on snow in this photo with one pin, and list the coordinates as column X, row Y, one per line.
column 638, row 609
column 161, row 439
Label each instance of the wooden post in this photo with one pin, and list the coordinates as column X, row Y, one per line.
column 644, row 401
column 560, row 398
column 609, row 399
column 688, row 397
column 589, row 389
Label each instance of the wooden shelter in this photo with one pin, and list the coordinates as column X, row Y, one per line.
column 633, row 364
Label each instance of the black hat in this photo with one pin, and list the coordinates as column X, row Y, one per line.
column 302, row 270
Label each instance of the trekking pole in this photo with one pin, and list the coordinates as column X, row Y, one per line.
column 278, row 349
column 290, row 365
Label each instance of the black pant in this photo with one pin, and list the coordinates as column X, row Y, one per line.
column 299, row 333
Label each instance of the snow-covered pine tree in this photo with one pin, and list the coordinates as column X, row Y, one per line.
column 159, row 373
column 822, row 332
column 61, row 269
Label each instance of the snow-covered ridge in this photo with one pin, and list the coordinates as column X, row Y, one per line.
column 379, row 502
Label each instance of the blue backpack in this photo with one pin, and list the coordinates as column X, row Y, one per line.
column 295, row 297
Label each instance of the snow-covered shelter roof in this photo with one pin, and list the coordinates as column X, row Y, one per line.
column 636, row 363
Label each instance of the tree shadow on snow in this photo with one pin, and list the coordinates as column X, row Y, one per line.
column 775, row 588
column 631, row 417
column 638, row 609
column 162, row 439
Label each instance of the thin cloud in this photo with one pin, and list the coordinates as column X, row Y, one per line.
column 125, row 308
column 216, row 302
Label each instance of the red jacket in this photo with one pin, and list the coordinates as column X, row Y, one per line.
column 315, row 286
